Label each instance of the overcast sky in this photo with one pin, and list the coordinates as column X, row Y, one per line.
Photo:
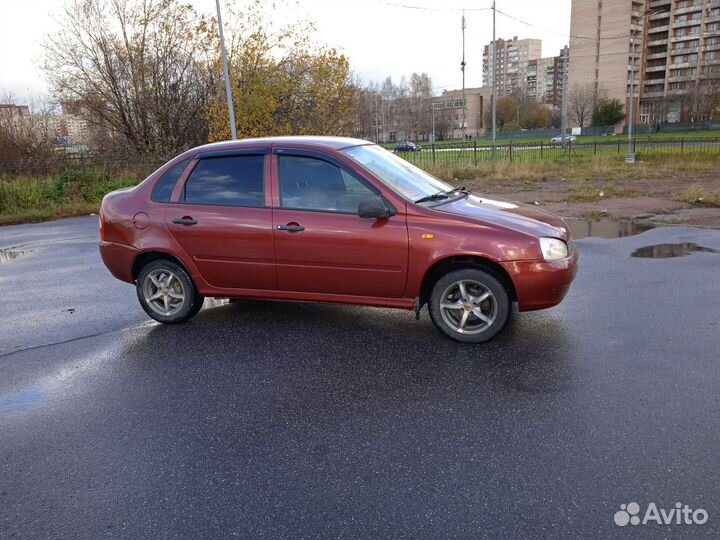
column 381, row 37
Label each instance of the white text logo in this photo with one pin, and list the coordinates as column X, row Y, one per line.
column 681, row 514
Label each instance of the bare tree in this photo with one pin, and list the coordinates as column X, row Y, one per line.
column 368, row 122
column 407, row 106
column 581, row 100
column 702, row 100
column 420, row 101
column 25, row 131
column 138, row 68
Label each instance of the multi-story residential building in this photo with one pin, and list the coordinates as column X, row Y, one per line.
column 513, row 57
column 672, row 46
column 12, row 111
column 67, row 128
column 545, row 79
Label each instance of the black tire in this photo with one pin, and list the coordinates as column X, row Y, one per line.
column 495, row 308
column 179, row 312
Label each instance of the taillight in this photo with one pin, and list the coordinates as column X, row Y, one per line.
column 102, row 224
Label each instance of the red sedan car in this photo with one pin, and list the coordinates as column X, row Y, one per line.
column 329, row 219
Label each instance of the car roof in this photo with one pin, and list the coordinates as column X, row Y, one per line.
column 314, row 141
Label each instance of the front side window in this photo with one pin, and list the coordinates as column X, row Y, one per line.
column 164, row 187
column 308, row 183
column 227, row 181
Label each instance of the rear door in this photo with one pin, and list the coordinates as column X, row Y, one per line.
column 223, row 220
column 321, row 244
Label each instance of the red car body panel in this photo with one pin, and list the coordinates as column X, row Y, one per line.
column 239, row 251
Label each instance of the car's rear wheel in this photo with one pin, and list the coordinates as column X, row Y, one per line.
column 167, row 293
column 469, row 305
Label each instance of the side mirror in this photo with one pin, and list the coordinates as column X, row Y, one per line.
column 375, row 208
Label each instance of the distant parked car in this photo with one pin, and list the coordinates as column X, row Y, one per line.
column 559, row 138
column 407, row 146
column 329, row 219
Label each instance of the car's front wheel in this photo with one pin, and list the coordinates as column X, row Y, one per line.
column 469, row 305
column 167, row 293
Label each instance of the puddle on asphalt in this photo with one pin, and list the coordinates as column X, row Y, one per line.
column 606, row 228
column 667, row 251
column 10, row 254
column 22, row 400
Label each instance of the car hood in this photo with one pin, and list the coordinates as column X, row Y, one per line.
column 512, row 215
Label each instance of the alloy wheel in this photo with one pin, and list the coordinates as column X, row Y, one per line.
column 468, row 307
column 163, row 292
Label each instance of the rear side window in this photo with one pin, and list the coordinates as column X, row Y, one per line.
column 227, row 181
column 164, row 187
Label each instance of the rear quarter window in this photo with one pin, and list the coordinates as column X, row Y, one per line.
column 164, row 187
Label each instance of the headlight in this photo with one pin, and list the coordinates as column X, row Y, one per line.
column 553, row 249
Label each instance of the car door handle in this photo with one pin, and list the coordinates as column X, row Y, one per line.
column 291, row 228
column 185, row 221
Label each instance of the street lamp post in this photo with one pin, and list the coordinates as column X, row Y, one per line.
column 228, row 89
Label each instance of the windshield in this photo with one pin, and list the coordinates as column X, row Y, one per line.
column 396, row 173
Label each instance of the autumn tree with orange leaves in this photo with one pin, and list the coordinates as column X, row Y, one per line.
column 282, row 83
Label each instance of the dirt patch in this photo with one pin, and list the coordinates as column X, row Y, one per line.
column 662, row 200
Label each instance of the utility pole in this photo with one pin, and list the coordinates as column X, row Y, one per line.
column 228, row 89
column 382, row 117
column 377, row 127
column 566, row 60
column 432, row 106
column 630, row 157
column 494, row 83
column 462, row 68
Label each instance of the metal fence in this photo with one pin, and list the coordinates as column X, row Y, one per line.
column 472, row 154
column 459, row 154
column 109, row 164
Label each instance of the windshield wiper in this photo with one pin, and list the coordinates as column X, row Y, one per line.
column 461, row 189
column 435, row 197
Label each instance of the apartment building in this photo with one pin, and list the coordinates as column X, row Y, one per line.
column 12, row 111
column 681, row 63
column 513, row 58
column 545, row 79
column 67, row 128
column 671, row 46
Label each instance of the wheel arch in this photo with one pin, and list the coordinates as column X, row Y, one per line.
column 448, row 264
column 149, row 256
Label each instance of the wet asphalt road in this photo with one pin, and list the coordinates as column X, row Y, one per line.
column 275, row 420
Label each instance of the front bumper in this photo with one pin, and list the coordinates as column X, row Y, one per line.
column 542, row 284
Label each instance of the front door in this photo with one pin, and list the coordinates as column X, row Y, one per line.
column 322, row 245
column 223, row 223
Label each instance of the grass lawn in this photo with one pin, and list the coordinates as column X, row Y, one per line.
column 70, row 193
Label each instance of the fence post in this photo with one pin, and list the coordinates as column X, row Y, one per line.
column 618, row 147
column 595, row 149
column 569, row 149
column 682, row 145
column 475, row 152
column 510, row 148
column 542, row 146
column 634, row 145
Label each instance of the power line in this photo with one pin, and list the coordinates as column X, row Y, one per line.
column 424, row 8
column 508, row 15
column 563, row 34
